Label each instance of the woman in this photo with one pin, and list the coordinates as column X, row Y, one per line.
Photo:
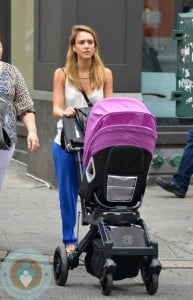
column 14, row 91
column 84, row 70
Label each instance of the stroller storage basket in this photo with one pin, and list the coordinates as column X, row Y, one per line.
column 124, row 239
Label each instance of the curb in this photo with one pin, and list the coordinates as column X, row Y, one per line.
column 166, row 264
column 177, row 264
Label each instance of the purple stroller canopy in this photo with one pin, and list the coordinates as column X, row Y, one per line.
column 117, row 122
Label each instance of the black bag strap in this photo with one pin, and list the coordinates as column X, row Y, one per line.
column 86, row 98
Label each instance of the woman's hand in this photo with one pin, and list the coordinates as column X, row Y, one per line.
column 69, row 112
column 32, row 137
column 32, row 141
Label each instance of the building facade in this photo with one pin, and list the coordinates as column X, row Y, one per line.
column 136, row 43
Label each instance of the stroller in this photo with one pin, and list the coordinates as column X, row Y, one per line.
column 118, row 146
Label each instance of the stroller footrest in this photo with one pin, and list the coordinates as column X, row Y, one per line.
column 123, row 218
column 134, row 251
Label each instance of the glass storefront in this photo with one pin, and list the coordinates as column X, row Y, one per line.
column 22, row 31
column 159, row 49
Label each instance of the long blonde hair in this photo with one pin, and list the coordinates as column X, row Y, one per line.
column 97, row 70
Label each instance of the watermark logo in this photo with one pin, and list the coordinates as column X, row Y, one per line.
column 25, row 274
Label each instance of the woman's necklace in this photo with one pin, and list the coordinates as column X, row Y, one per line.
column 81, row 77
column 84, row 76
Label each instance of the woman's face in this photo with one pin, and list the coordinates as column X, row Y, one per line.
column 1, row 50
column 84, row 45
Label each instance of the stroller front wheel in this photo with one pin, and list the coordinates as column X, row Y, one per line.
column 60, row 266
column 106, row 284
column 151, row 284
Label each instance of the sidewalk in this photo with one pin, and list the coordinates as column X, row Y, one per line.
column 30, row 218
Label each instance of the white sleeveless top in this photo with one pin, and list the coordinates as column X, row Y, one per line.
column 73, row 97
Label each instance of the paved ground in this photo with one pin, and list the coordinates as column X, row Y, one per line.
column 30, row 218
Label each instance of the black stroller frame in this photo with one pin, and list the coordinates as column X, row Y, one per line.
column 117, row 244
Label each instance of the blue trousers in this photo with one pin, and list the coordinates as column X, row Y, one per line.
column 67, row 179
column 185, row 170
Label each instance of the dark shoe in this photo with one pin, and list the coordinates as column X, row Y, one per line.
column 170, row 187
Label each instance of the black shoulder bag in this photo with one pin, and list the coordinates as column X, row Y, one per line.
column 73, row 130
column 82, row 114
column 5, row 142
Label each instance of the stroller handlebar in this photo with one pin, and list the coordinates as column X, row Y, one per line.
column 73, row 149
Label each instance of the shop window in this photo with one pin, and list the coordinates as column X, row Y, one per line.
column 160, row 54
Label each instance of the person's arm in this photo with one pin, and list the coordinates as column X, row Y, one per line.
column 58, row 93
column 32, row 137
column 108, row 84
column 59, row 109
column 23, row 105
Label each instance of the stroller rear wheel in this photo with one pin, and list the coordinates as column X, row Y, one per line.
column 106, row 284
column 60, row 266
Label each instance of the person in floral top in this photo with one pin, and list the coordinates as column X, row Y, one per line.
column 14, row 91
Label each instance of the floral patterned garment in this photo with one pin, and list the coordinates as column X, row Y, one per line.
column 13, row 89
